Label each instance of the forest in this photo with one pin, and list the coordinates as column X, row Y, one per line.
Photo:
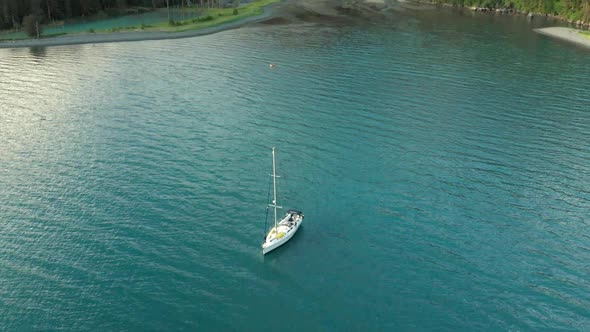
column 572, row 10
column 13, row 13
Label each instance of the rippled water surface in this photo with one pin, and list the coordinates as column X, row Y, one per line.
column 442, row 162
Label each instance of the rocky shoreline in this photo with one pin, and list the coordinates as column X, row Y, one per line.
column 530, row 15
column 511, row 11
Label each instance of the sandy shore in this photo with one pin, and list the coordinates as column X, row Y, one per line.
column 95, row 38
column 567, row 34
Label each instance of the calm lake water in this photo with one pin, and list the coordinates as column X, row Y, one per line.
column 442, row 163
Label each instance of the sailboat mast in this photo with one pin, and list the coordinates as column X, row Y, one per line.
column 274, row 184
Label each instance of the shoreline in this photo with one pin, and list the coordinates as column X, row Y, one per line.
column 115, row 37
column 505, row 11
column 566, row 34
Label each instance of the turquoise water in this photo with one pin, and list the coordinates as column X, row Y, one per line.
column 441, row 161
column 84, row 26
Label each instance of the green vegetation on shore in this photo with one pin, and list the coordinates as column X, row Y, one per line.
column 215, row 16
column 573, row 10
column 45, row 36
column 200, row 14
column 31, row 16
column 14, row 12
column 208, row 18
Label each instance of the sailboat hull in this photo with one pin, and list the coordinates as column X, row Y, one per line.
column 287, row 228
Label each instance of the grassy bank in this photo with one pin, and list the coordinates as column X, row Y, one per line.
column 215, row 16
column 585, row 34
column 27, row 38
column 209, row 18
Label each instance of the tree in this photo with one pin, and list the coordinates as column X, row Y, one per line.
column 32, row 25
column 5, row 15
column 88, row 7
column 168, row 7
column 10, row 13
column 68, row 8
column 51, row 7
column 586, row 11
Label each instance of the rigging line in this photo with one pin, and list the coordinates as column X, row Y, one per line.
column 284, row 178
column 267, row 198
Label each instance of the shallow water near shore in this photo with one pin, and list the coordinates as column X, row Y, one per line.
column 441, row 161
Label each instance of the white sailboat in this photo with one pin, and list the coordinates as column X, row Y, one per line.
column 283, row 230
